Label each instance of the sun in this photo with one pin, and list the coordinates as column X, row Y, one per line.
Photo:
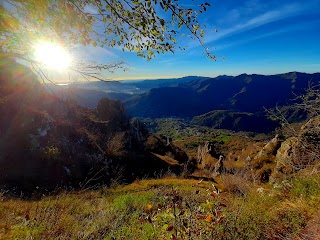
column 52, row 55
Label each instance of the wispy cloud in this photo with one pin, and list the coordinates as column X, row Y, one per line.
column 296, row 27
column 257, row 21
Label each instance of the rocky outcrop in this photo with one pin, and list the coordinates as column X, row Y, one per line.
column 203, row 152
column 287, row 156
column 47, row 142
column 219, row 167
column 139, row 134
column 114, row 113
column 159, row 145
column 207, row 157
column 262, row 164
column 270, row 149
column 302, row 151
column 310, row 133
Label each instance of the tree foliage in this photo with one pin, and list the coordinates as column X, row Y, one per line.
column 147, row 27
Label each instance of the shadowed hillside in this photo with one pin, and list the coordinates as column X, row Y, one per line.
column 48, row 142
column 237, row 121
column 243, row 93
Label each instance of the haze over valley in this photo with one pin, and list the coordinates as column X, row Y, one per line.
column 213, row 102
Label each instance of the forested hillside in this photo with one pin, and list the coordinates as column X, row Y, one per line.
column 243, row 93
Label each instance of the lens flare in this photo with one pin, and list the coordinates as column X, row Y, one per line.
column 52, row 55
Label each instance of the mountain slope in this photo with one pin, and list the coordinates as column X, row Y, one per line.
column 243, row 93
column 48, row 142
column 237, row 121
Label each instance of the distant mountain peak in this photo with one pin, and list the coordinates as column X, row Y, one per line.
column 242, row 93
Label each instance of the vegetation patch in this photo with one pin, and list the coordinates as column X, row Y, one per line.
column 169, row 208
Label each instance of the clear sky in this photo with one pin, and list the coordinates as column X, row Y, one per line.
column 254, row 36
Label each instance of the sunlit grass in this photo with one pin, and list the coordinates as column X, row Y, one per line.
column 155, row 209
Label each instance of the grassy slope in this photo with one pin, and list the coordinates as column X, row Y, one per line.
column 170, row 208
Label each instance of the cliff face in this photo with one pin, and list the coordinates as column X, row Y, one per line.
column 46, row 142
column 279, row 158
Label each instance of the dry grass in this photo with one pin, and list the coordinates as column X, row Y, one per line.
column 167, row 159
column 235, row 184
column 312, row 229
column 168, row 208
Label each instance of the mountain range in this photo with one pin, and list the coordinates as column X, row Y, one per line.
column 243, row 93
column 231, row 102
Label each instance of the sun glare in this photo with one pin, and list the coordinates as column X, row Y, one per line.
column 53, row 56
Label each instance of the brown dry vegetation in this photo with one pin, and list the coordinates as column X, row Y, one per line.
column 171, row 208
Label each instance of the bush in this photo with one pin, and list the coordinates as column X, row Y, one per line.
column 234, row 184
column 306, row 187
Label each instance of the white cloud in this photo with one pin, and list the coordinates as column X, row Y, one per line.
column 263, row 19
column 255, row 37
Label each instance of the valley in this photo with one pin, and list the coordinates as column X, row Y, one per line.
column 159, row 119
column 174, row 159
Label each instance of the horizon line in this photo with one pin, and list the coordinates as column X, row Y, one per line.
column 179, row 77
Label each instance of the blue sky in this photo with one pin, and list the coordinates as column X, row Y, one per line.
column 254, row 36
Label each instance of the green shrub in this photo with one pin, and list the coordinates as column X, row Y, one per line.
column 133, row 201
column 306, row 187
